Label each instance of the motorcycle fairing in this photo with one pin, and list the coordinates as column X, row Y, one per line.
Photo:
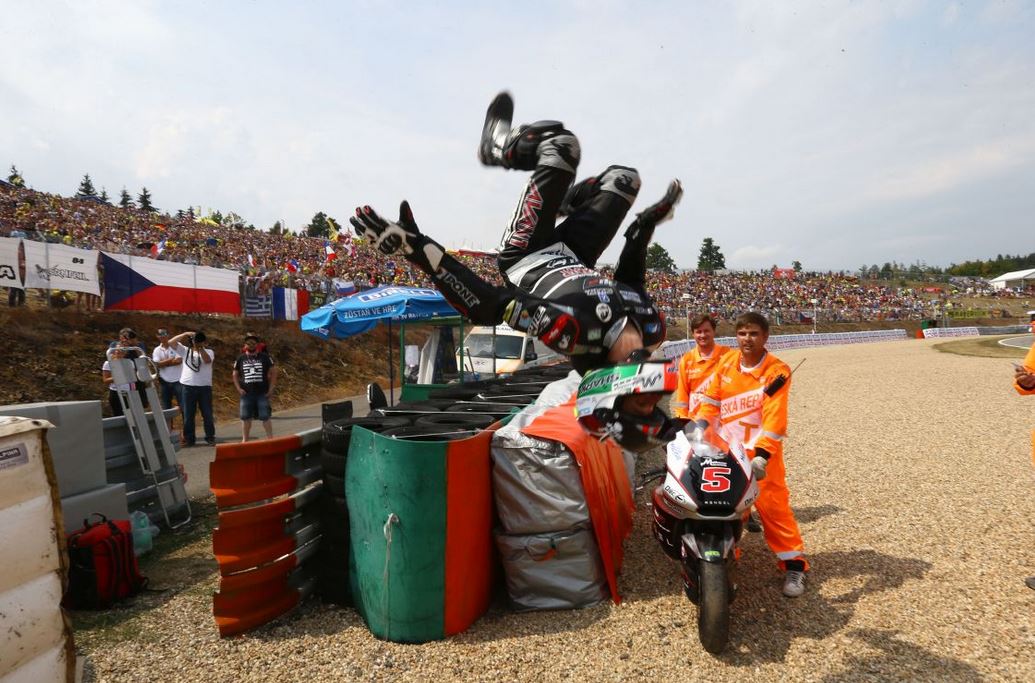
column 707, row 482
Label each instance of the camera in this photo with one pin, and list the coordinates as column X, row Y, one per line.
column 196, row 338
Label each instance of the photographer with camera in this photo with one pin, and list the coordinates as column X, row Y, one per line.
column 255, row 377
column 196, row 385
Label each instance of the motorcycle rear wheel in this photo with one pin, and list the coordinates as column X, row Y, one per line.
column 713, row 609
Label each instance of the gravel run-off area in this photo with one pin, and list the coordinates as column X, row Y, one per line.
column 911, row 477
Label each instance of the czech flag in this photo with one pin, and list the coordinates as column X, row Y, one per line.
column 329, row 250
column 141, row 284
column 292, row 265
column 157, row 249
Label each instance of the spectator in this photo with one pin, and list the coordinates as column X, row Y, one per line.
column 169, row 361
column 124, row 348
column 196, row 387
column 255, row 377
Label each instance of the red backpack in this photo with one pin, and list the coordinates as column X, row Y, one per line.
column 102, row 565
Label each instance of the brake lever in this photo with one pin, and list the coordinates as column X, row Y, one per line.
column 648, row 477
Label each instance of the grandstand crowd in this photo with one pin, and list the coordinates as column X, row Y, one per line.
column 266, row 259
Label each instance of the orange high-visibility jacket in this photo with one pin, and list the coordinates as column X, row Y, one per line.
column 695, row 373
column 1029, row 365
column 736, row 397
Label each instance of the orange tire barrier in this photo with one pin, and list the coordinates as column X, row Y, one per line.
column 268, row 528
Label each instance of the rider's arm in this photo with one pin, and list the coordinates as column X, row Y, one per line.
column 479, row 301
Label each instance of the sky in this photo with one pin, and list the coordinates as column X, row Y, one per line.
column 832, row 133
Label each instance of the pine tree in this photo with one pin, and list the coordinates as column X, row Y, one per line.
column 104, row 195
column 86, row 188
column 125, row 201
column 711, row 258
column 15, row 178
column 658, row 258
column 144, row 200
column 318, row 226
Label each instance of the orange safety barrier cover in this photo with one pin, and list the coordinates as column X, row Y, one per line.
column 259, row 553
column 248, row 472
column 469, row 519
column 604, row 480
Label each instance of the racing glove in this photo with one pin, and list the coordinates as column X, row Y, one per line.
column 759, row 463
column 389, row 238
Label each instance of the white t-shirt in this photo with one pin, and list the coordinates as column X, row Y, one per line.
column 194, row 375
column 170, row 373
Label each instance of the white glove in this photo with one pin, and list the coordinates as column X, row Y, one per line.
column 758, row 465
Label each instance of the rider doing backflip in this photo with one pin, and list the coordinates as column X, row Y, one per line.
column 552, row 291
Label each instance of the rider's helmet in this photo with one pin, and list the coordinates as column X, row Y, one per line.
column 609, row 402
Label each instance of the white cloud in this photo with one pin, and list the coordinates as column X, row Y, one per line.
column 753, row 257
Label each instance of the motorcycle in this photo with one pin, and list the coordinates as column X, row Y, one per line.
column 700, row 513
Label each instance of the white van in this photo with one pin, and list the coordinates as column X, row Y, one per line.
column 513, row 350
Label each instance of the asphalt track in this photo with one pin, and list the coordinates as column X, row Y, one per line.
column 1022, row 342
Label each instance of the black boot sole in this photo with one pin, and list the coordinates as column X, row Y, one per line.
column 500, row 109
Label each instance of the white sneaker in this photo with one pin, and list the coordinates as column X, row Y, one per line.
column 794, row 583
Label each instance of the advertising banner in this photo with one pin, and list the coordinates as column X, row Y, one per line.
column 10, row 275
column 56, row 266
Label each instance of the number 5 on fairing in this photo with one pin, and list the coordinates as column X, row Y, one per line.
column 715, row 479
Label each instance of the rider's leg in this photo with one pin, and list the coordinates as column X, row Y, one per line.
column 632, row 263
column 552, row 153
column 596, row 208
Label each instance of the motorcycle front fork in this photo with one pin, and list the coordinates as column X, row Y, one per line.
column 690, row 571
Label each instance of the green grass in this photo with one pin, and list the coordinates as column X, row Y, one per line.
column 986, row 347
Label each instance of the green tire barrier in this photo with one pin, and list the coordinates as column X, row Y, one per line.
column 420, row 512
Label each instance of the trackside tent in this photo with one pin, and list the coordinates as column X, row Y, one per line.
column 362, row 311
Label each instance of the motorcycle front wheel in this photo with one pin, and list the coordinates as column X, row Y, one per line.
column 713, row 610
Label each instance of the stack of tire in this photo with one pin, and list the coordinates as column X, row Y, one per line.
column 332, row 560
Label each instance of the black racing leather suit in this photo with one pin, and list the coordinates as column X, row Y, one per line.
column 553, row 291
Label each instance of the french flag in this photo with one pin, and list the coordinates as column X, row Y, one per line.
column 329, row 250
column 292, row 265
column 157, row 249
column 142, row 284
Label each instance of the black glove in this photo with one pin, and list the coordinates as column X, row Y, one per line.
column 662, row 210
column 389, row 238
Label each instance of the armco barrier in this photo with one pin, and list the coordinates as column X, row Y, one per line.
column 677, row 349
column 1004, row 329
column 268, row 527
column 35, row 639
column 937, row 332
